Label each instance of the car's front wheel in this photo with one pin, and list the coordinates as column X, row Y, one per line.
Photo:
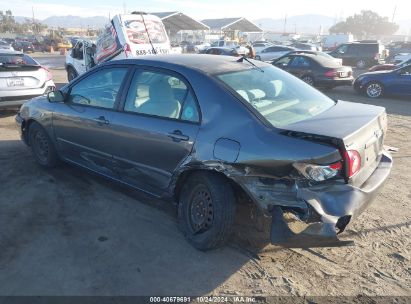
column 42, row 147
column 71, row 74
column 374, row 90
column 206, row 210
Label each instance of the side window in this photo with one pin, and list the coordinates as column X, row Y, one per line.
column 342, row 49
column 161, row 94
column 300, row 61
column 99, row 89
column 283, row 61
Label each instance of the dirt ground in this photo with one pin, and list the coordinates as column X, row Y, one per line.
column 68, row 232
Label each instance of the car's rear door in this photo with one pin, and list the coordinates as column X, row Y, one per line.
column 82, row 124
column 300, row 66
column 157, row 129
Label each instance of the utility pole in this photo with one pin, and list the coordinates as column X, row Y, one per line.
column 285, row 23
column 393, row 14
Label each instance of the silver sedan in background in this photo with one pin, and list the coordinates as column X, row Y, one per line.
column 21, row 78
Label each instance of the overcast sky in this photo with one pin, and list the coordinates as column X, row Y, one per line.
column 202, row 9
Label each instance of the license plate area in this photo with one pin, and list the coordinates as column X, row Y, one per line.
column 15, row 82
column 343, row 74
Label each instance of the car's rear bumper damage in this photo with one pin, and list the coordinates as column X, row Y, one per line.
column 325, row 210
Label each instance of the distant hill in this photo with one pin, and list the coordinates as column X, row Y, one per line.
column 76, row 22
column 309, row 24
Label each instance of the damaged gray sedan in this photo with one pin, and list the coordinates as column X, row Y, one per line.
column 206, row 130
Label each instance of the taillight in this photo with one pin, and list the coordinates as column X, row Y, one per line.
column 127, row 50
column 331, row 73
column 49, row 75
column 353, row 161
column 318, row 173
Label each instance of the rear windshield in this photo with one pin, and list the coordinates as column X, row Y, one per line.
column 19, row 59
column 278, row 96
column 137, row 34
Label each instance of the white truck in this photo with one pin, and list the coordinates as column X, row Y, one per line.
column 126, row 36
column 331, row 42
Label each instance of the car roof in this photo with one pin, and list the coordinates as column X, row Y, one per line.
column 210, row 64
column 322, row 60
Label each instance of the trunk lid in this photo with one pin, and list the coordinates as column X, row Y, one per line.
column 17, row 77
column 352, row 126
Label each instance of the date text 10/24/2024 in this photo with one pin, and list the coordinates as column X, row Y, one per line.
column 204, row 299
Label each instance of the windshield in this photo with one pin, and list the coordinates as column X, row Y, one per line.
column 278, row 96
column 18, row 59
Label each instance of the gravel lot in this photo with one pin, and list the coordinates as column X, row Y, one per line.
column 68, row 232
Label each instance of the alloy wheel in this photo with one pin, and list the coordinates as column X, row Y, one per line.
column 374, row 90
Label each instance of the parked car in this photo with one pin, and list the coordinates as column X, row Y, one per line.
column 23, row 46
column 398, row 47
column 318, row 53
column 4, row 45
column 389, row 66
column 273, row 52
column 21, row 78
column 222, row 51
column 201, row 46
column 205, row 131
column 377, row 84
column 231, row 45
column 258, row 47
column 401, row 57
column 306, row 46
column 316, row 70
column 361, row 54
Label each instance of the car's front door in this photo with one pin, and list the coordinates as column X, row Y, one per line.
column 82, row 124
column 157, row 129
column 402, row 83
column 79, row 60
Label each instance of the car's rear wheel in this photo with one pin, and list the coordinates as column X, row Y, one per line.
column 374, row 90
column 206, row 210
column 42, row 147
column 71, row 74
column 308, row 79
column 361, row 64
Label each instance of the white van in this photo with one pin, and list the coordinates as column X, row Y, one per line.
column 126, row 36
column 331, row 42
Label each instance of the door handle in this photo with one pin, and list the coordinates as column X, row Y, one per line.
column 177, row 135
column 101, row 121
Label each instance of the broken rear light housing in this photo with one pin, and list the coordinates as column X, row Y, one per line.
column 353, row 161
column 318, row 173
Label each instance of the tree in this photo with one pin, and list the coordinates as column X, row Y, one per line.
column 367, row 23
column 8, row 24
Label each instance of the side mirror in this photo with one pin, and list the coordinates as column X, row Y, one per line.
column 55, row 96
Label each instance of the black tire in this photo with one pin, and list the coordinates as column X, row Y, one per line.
column 42, row 147
column 71, row 74
column 308, row 79
column 374, row 89
column 206, row 210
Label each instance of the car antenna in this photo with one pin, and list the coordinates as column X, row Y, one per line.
column 148, row 35
column 250, row 62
